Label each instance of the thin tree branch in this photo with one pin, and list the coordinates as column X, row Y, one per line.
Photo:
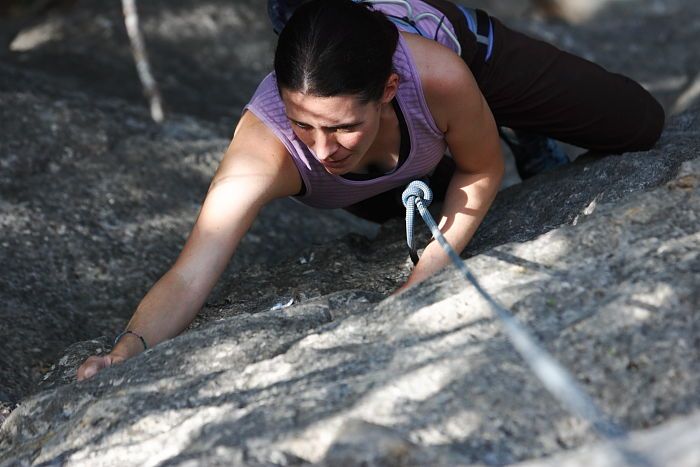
column 138, row 49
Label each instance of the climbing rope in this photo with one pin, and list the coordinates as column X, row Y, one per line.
column 415, row 191
column 556, row 379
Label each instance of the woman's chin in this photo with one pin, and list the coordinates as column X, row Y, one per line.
column 336, row 170
column 339, row 168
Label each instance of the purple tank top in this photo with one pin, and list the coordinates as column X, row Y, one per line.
column 324, row 190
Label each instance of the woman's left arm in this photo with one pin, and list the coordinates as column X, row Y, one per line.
column 462, row 113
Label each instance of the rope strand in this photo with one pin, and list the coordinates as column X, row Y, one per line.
column 555, row 378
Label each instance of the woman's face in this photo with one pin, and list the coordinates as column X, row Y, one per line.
column 339, row 130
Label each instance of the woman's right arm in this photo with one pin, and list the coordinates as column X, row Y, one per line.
column 255, row 170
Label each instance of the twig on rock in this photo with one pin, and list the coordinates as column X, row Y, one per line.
column 687, row 97
column 138, row 49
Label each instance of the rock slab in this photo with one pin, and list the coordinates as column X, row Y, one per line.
column 613, row 297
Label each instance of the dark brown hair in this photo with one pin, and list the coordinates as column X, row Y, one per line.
column 336, row 47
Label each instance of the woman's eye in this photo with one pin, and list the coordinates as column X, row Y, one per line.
column 302, row 126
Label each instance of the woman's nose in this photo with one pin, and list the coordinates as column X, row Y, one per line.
column 325, row 145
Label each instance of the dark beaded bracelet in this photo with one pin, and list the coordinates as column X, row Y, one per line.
column 124, row 333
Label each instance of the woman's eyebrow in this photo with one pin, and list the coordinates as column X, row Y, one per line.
column 332, row 127
column 343, row 126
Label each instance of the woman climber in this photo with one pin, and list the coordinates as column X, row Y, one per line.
column 368, row 96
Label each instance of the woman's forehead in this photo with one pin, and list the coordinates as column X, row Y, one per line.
column 333, row 110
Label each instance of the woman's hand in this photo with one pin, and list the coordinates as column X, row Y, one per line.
column 255, row 170
column 97, row 363
column 129, row 345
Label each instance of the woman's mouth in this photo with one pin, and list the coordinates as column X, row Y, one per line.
column 335, row 162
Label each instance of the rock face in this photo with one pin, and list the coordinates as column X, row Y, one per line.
column 96, row 200
column 300, row 356
column 673, row 443
column 613, row 297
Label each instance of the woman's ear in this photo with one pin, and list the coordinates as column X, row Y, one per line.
column 390, row 88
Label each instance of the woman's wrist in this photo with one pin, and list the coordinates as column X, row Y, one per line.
column 128, row 344
column 132, row 333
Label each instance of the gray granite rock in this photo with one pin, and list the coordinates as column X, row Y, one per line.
column 613, row 297
column 367, row 444
column 298, row 356
column 95, row 204
column 207, row 56
column 96, row 200
column 672, row 443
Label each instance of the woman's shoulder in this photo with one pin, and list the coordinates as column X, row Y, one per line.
column 443, row 74
column 255, row 149
column 424, row 48
column 256, row 139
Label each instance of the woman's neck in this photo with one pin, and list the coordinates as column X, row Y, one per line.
column 383, row 155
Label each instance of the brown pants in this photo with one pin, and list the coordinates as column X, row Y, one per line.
column 533, row 86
